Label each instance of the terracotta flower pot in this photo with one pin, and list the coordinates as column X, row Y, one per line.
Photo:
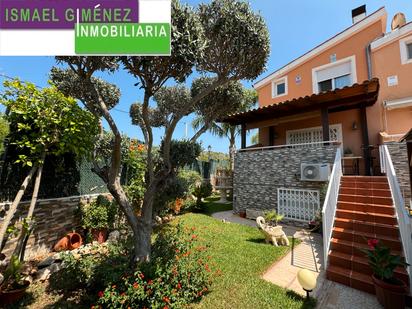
column 10, row 297
column 390, row 295
column 242, row 214
column 69, row 242
column 100, row 235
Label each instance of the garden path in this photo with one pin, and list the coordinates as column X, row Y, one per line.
column 308, row 254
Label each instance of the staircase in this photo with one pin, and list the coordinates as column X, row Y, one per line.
column 365, row 210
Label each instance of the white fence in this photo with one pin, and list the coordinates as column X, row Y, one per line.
column 404, row 220
column 298, row 204
column 329, row 205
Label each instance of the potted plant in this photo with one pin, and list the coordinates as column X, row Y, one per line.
column 13, row 286
column 316, row 224
column 272, row 217
column 390, row 291
column 98, row 217
column 347, row 152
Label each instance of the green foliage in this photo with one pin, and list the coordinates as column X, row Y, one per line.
column 183, row 152
column 202, row 191
column 177, row 275
column 237, row 39
column 4, row 131
column 382, row 262
column 12, row 275
column 99, row 214
column 273, row 217
column 213, row 155
column 190, row 180
column 92, row 271
column 46, row 121
column 135, row 173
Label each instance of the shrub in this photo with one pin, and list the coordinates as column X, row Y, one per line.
column 190, row 180
column 176, row 275
column 202, row 191
column 99, row 214
column 92, row 271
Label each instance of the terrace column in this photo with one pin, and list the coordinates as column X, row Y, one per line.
column 325, row 124
column 271, row 136
column 243, row 136
column 365, row 141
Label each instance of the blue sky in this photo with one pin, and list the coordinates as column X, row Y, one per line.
column 295, row 26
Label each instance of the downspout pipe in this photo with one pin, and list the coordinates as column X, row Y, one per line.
column 369, row 60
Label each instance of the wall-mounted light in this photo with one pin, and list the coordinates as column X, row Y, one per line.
column 354, row 126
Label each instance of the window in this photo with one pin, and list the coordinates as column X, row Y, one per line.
column 333, row 83
column 279, row 87
column 405, row 46
column 409, row 50
column 334, row 75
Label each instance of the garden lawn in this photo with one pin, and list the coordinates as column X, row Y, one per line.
column 212, row 206
column 242, row 256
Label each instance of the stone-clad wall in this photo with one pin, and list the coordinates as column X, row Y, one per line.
column 399, row 156
column 258, row 174
column 54, row 219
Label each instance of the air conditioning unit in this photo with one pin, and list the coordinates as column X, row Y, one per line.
column 314, row 171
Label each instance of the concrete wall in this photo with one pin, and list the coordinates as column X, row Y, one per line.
column 54, row 219
column 258, row 174
column 399, row 156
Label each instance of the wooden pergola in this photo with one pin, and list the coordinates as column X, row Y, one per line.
column 357, row 96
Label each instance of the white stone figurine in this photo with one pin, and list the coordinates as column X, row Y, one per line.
column 273, row 234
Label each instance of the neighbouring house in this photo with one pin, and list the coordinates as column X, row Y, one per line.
column 322, row 121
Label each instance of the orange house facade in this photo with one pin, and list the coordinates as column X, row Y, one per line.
column 361, row 56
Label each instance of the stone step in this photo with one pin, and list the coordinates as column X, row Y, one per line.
column 350, row 278
column 369, row 217
column 365, row 185
column 367, row 208
column 360, row 264
column 367, row 227
column 362, row 237
column 365, row 178
column 344, row 189
column 378, row 200
column 353, row 248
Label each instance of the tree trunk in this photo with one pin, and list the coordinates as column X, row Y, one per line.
column 14, row 205
column 25, row 233
column 232, row 141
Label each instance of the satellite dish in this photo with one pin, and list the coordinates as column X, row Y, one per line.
column 398, row 21
column 310, row 172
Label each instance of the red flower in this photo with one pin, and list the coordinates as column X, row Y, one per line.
column 372, row 243
column 166, row 299
column 179, row 286
column 194, row 236
column 150, row 282
column 135, row 285
column 141, row 276
column 100, row 294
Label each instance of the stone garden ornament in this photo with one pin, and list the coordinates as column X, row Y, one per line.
column 273, row 234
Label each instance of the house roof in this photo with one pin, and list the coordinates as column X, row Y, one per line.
column 378, row 14
column 345, row 98
column 407, row 136
column 391, row 36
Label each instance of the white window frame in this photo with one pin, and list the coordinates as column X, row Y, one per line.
column 337, row 126
column 404, row 50
column 274, row 88
column 351, row 59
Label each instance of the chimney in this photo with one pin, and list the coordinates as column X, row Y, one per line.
column 358, row 14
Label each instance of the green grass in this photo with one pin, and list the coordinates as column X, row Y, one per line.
column 242, row 256
column 211, row 206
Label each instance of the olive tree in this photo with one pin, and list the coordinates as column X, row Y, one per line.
column 225, row 41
